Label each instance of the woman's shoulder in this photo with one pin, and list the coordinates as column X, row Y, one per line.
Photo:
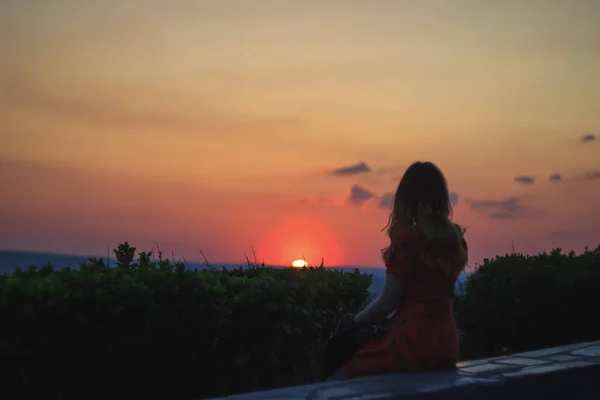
column 404, row 247
column 407, row 237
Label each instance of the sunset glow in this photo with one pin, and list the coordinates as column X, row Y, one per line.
column 300, row 235
column 299, row 263
column 286, row 125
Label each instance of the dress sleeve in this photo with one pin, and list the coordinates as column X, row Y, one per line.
column 402, row 257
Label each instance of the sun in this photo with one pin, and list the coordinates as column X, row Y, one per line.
column 294, row 239
column 299, row 263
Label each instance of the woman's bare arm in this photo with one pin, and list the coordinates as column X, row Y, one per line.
column 385, row 304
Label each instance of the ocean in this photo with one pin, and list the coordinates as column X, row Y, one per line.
column 9, row 260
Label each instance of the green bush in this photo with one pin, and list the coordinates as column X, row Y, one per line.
column 149, row 323
column 516, row 303
column 152, row 326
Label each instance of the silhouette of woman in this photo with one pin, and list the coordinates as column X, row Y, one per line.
column 426, row 254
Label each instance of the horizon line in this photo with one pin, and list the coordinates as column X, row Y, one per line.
column 182, row 259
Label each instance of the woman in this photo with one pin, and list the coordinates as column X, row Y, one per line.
column 426, row 254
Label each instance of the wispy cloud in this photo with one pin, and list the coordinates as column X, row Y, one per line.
column 508, row 208
column 453, row 198
column 589, row 176
column 525, row 179
column 508, row 204
column 358, row 195
column 555, row 177
column 351, row 170
column 386, row 201
column 588, row 137
column 126, row 113
column 503, row 215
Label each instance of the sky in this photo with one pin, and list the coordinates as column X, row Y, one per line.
column 283, row 126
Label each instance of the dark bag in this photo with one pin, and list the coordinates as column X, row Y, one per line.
column 343, row 344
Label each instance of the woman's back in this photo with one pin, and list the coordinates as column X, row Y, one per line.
column 422, row 282
column 422, row 334
column 425, row 255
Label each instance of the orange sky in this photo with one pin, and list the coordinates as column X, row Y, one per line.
column 217, row 124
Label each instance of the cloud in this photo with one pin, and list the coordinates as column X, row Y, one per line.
column 386, row 201
column 590, row 176
column 525, row 179
column 351, row 170
column 588, row 137
column 503, row 215
column 358, row 195
column 126, row 111
column 508, row 208
column 508, row 204
column 555, row 178
column 453, row 198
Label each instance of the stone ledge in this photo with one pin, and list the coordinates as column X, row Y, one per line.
column 518, row 376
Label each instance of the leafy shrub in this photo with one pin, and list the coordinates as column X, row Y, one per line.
column 516, row 303
column 149, row 323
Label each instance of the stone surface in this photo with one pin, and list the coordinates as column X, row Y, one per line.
column 554, row 350
column 471, row 379
column 523, row 361
column 488, row 367
column 592, row 351
column 548, row 368
column 562, row 357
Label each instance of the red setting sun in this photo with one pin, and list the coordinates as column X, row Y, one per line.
column 304, row 240
column 299, row 263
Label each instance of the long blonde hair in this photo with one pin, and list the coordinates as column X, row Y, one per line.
column 422, row 200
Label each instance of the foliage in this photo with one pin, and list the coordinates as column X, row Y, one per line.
column 516, row 303
column 153, row 325
column 152, row 322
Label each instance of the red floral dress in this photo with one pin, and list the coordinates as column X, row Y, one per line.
column 422, row 334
